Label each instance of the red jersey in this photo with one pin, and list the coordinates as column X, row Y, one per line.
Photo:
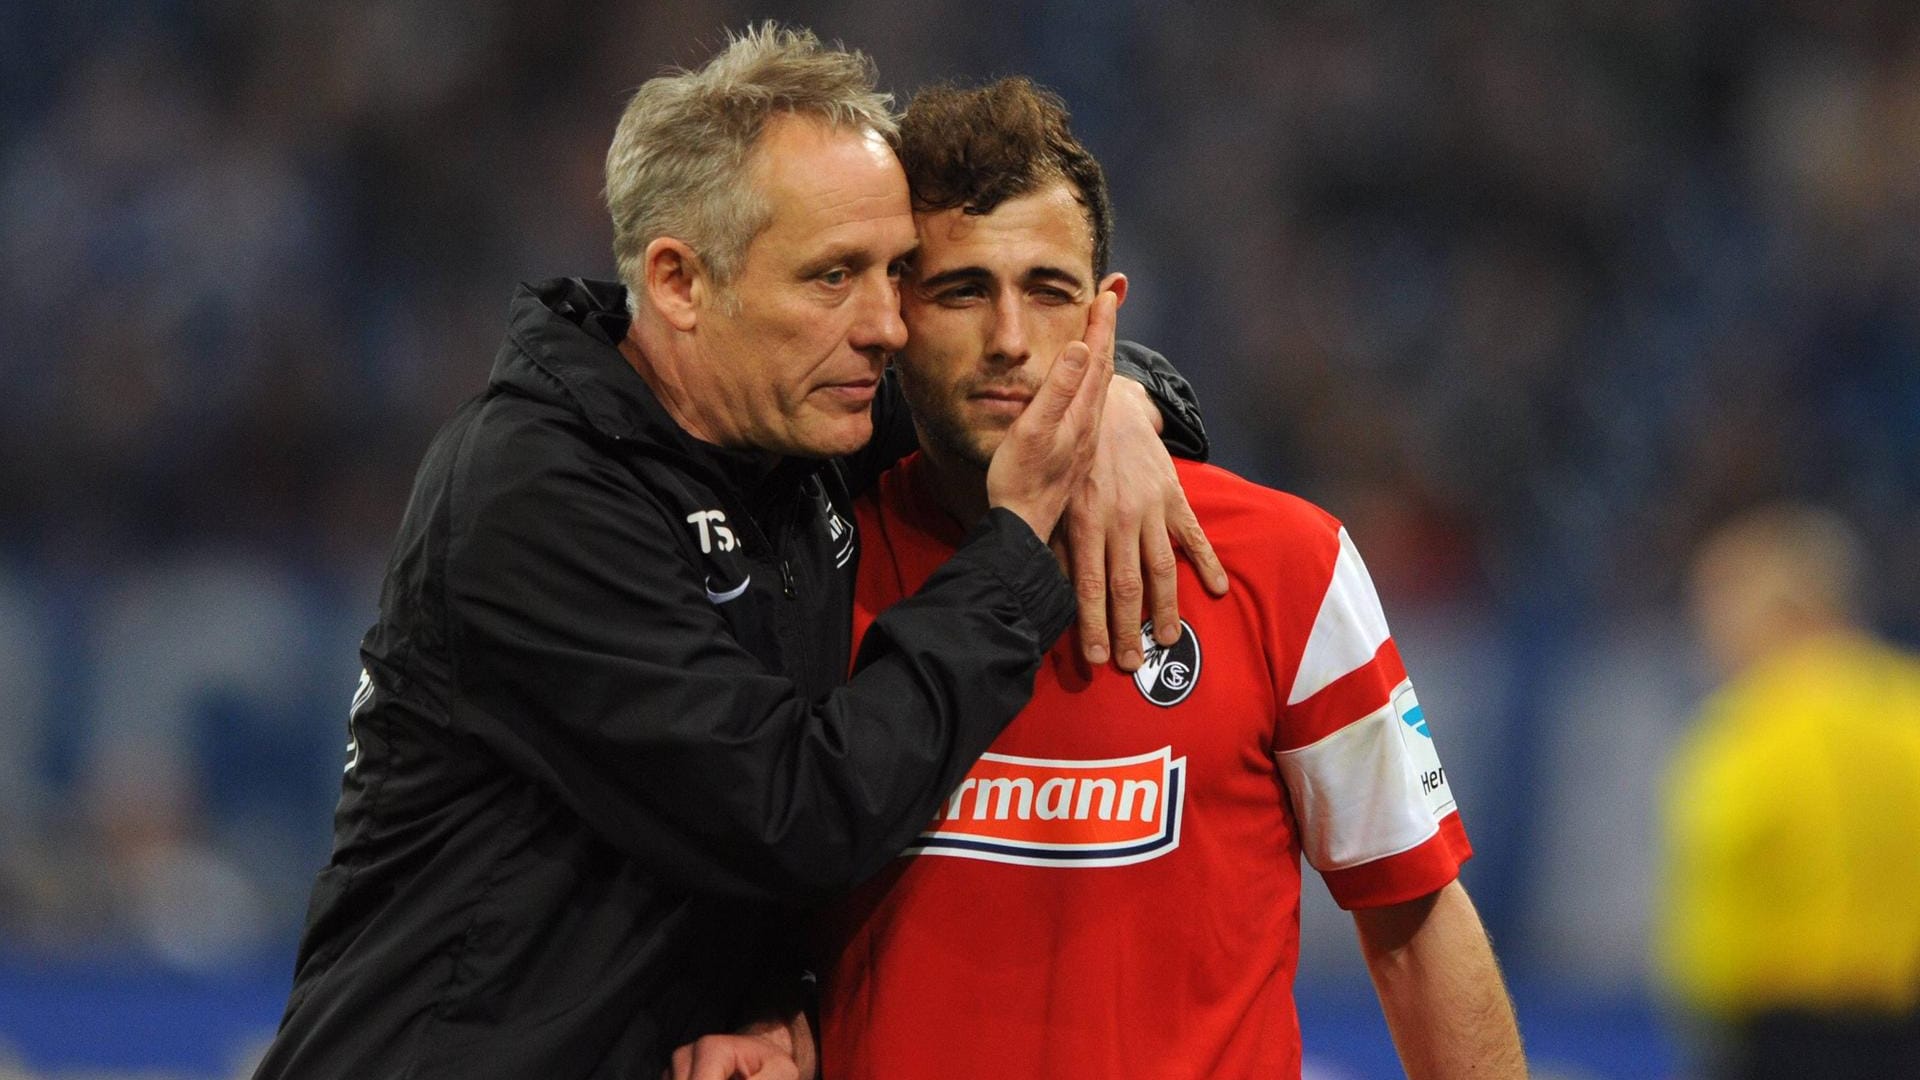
column 1114, row 890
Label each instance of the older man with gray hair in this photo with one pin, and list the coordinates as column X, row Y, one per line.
column 605, row 744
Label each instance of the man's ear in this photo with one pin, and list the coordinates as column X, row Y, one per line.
column 676, row 282
column 1115, row 283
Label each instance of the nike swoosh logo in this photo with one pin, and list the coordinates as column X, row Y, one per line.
column 730, row 594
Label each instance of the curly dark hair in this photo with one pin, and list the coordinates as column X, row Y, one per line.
column 974, row 148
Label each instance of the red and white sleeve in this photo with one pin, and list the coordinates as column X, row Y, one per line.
column 1377, row 816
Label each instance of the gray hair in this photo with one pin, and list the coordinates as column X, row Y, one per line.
column 677, row 166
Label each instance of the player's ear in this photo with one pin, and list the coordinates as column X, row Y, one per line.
column 676, row 282
column 1115, row 283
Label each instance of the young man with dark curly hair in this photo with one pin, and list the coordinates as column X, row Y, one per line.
column 1113, row 890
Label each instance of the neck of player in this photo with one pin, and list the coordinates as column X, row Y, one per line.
column 958, row 487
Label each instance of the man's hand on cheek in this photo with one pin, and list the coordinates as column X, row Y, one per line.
column 1122, row 525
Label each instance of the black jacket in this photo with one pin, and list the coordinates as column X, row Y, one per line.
column 606, row 745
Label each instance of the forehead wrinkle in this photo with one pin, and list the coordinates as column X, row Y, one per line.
column 850, row 201
column 1051, row 218
column 856, row 209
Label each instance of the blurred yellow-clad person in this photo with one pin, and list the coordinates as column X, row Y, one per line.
column 1790, row 924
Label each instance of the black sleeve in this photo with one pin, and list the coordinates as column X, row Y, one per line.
column 894, row 437
column 589, row 657
column 1183, row 432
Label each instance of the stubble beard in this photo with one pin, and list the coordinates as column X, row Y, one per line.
column 944, row 432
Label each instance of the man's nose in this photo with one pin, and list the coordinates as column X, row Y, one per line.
column 1009, row 339
column 879, row 325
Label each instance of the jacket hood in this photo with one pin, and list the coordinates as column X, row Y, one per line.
column 562, row 347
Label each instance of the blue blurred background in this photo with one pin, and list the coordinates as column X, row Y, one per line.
column 1530, row 293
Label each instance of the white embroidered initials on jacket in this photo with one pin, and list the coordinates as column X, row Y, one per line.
column 714, row 533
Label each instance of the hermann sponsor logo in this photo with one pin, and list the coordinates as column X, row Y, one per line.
column 1064, row 813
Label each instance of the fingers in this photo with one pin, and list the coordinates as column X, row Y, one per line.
column 1099, row 345
column 703, row 1060
column 1062, row 387
column 775, row 1067
column 1051, row 447
column 1062, row 552
column 1163, row 580
column 1125, row 594
column 1083, row 413
column 1080, row 420
column 1088, row 555
column 1193, row 540
column 1101, row 321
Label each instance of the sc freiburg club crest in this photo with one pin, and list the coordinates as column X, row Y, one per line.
column 1168, row 673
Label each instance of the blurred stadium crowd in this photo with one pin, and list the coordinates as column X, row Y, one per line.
column 1529, row 293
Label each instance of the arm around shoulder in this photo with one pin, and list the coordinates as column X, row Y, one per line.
column 1180, row 425
column 590, row 657
column 1440, row 988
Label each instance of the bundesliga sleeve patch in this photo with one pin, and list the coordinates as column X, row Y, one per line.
column 1418, row 739
column 1372, row 789
column 1062, row 813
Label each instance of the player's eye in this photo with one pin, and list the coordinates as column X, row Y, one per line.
column 837, row 276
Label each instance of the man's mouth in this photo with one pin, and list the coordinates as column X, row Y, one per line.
column 852, row 391
column 1016, row 394
column 1005, row 403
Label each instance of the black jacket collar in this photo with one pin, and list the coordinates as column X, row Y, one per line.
column 562, row 346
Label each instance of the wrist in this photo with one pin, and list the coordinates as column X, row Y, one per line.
column 1127, row 393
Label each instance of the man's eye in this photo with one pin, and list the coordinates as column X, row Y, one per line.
column 837, row 276
column 961, row 294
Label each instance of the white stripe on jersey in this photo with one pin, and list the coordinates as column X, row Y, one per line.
column 1348, row 629
column 1357, row 794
